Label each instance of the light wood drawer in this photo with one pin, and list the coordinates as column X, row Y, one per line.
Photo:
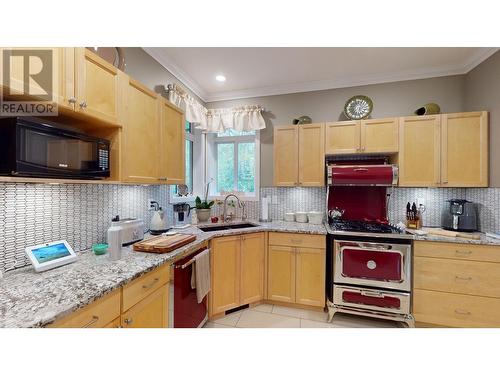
column 316, row 241
column 455, row 310
column 457, row 276
column 482, row 253
column 96, row 315
column 138, row 289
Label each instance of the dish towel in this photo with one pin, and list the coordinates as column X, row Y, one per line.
column 200, row 274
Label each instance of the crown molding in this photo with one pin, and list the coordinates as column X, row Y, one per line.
column 176, row 71
column 293, row 88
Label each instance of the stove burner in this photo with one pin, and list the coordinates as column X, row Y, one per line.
column 363, row 226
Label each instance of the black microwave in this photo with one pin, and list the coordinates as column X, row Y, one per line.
column 33, row 147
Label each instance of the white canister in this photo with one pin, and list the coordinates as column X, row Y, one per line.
column 114, row 243
column 289, row 216
column 315, row 217
column 301, row 217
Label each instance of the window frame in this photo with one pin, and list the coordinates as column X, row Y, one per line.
column 235, row 140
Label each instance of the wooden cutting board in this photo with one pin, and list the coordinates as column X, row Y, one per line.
column 164, row 244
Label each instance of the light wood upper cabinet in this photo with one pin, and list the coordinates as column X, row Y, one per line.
column 311, row 155
column 419, row 151
column 343, row 137
column 380, row 135
column 252, row 268
column 140, row 135
column 281, row 274
column 225, row 274
column 299, row 155
column 286, row 142
column 96, row 86
column 464, row 147
column 151, row 312
column 310, row 276
column 172, row 144
column 376, row 136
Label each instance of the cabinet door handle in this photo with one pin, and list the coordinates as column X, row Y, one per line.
column 92, row 321
column 460, row 278
column 151, row 284
column 297, row 241
column 460, row 252
column 162, row 178
column 462, row 312
column 83, row 104
column 128, row 321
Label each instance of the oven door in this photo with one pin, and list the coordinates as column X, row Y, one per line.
column 371, row 299
column 373, row 264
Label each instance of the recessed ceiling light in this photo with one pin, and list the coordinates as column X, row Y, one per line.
column 220, row 78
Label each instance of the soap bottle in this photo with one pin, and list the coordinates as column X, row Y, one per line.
column 114, row 243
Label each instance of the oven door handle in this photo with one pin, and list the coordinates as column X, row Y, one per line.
column 372, row 294
column 368, row 247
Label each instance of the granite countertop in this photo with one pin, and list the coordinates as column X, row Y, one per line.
column 30, row 299
column 483, row 240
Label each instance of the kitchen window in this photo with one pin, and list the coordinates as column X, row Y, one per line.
column 193, row 169
column 233, row 163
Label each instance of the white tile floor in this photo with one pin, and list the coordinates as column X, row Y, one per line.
column 273, row 316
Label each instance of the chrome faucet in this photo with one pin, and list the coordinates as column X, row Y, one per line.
column 240, row 204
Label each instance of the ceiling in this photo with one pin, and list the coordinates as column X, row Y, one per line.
column 252, row 72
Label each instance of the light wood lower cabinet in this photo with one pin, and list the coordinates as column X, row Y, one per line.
column 150, row 312
column 237, row 271
column 98, row 314
column 281, row 274
column 296, row 274
column 252, row 268
column 142, row 303
column 310, row 276
column 456, row 285
column 225, row 274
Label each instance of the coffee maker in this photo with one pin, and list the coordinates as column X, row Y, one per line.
column 181, row 214
column 460, row 215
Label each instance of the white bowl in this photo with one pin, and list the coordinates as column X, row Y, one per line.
column 315, row 217
column 301, row 217
column 289, row 216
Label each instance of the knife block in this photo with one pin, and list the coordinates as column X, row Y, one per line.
column 414, row 224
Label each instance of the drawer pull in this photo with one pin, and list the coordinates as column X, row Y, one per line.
column 461, row 252
column 372, row 294
column 92, row 321
column 151, row 284
column 297, row 241
column 457, row 278
column 462, row 312
column 128, row 321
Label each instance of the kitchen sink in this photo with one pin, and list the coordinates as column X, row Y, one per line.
column 213, row 228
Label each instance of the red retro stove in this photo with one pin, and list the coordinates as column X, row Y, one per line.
column 369, row 260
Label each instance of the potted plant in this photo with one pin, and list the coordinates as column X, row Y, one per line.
column 203, row 208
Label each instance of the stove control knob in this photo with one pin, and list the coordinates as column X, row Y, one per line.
column 371, row 264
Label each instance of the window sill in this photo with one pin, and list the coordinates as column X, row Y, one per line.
column 244, row 198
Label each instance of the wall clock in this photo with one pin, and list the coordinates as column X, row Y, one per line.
column 358, row 107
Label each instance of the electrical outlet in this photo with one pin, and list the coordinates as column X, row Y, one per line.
column 151, row 205
column 420, row 202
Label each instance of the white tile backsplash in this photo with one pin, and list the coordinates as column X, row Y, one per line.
column 81, row 213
